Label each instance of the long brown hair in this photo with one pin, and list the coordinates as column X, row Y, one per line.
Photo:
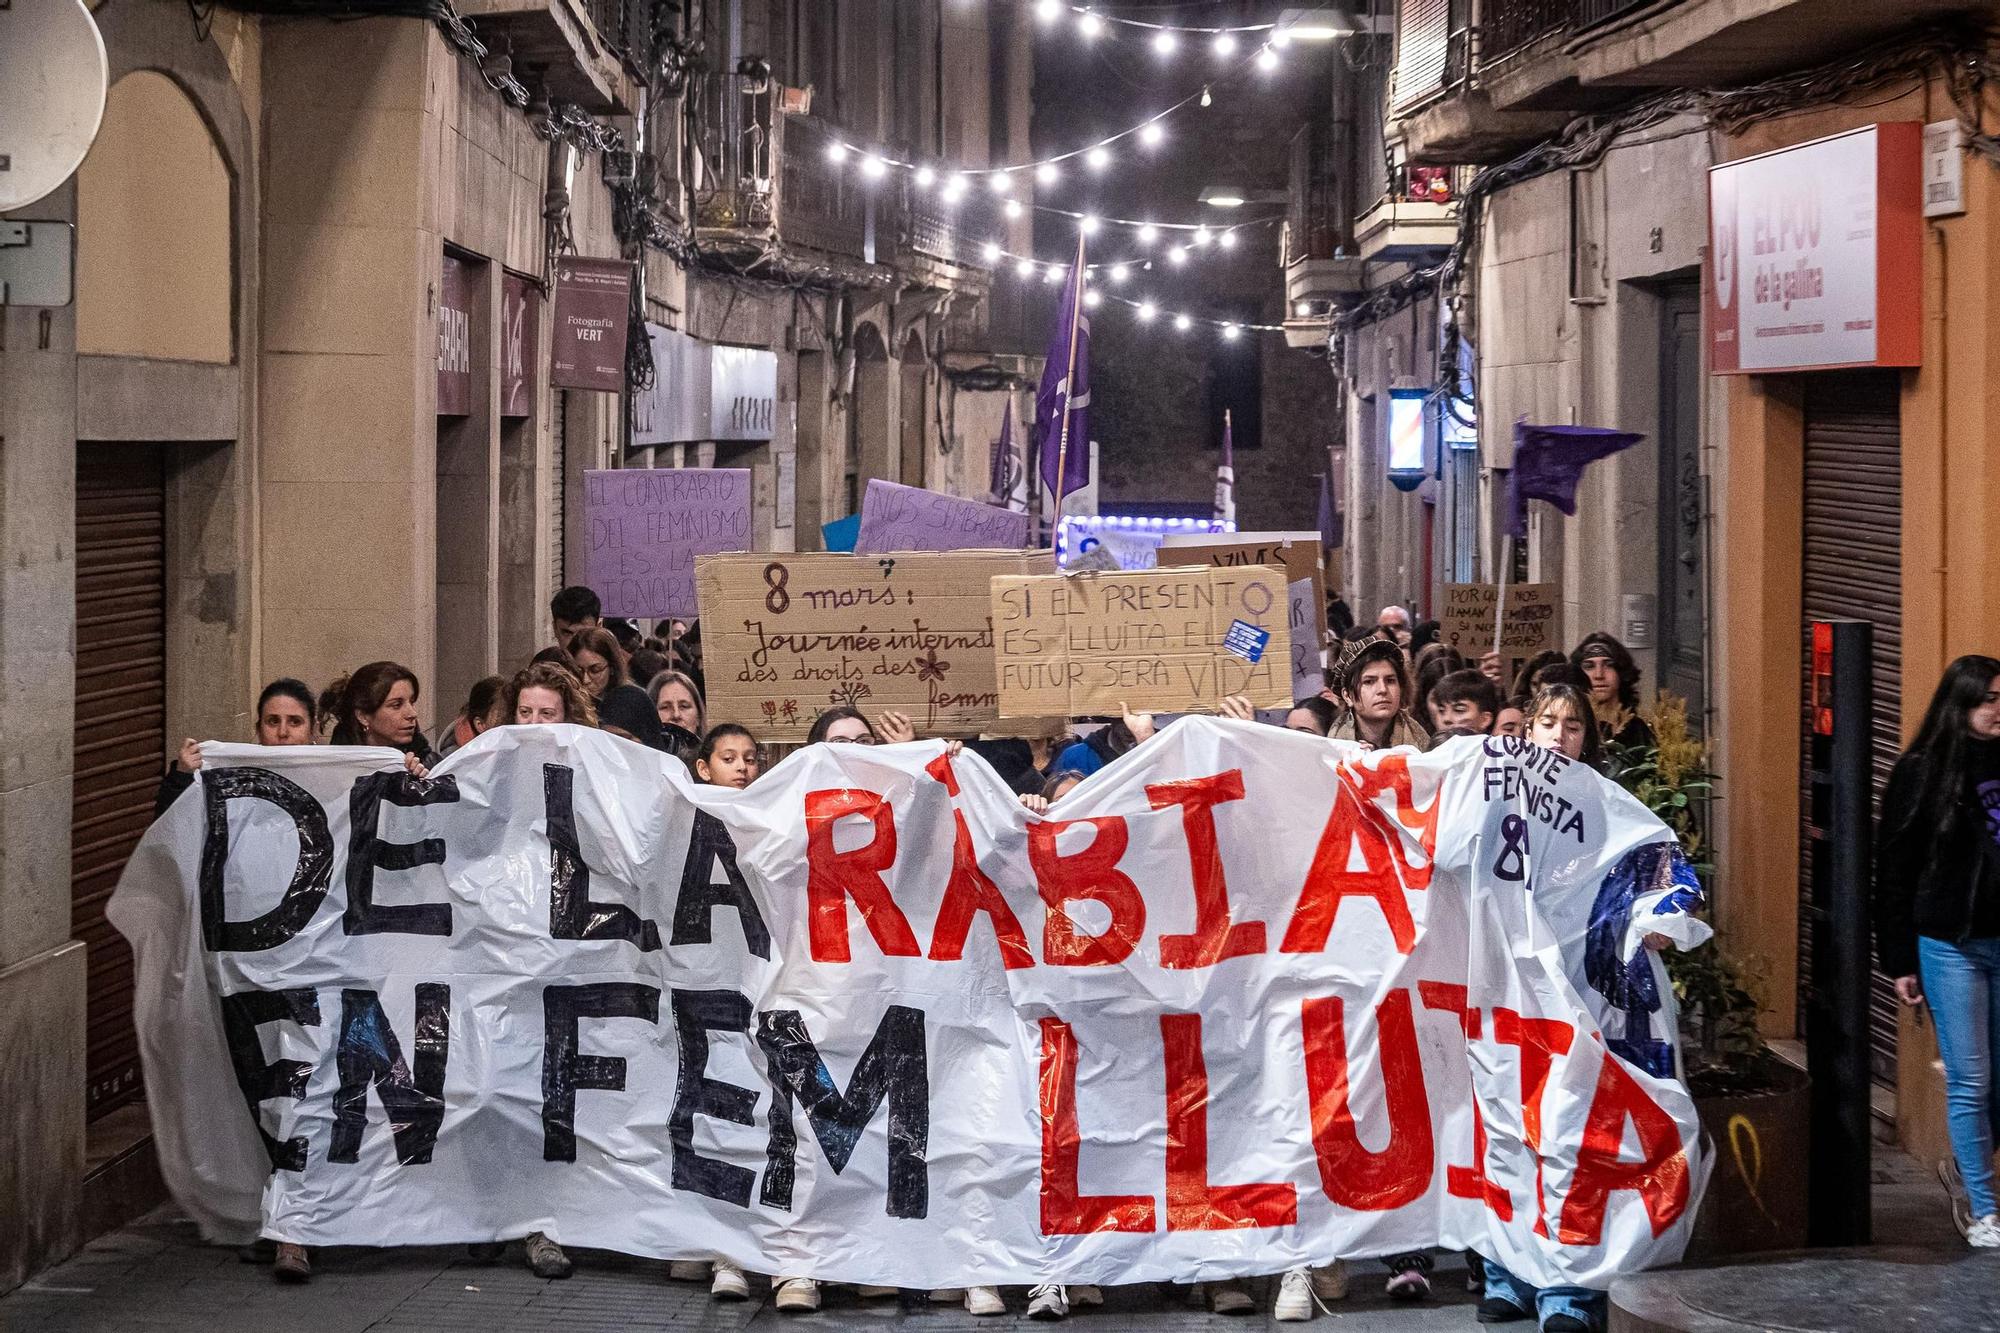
column 605, row 644
column 1578, row 702
column 577, row 704
column 362, row 691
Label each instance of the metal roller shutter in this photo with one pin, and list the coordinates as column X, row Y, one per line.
column 1423, row 42
column 120, row 729
column 1853, row 570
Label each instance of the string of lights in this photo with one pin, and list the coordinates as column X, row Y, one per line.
column 1089, row 22
column 1115, row 273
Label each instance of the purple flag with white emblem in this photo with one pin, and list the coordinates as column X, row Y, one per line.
column 1065, row 393
column 1009, row 478
column 1548, row 463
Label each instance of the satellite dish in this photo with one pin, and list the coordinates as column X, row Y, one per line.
column 53, row 77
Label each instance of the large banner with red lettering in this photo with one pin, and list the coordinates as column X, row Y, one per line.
column 1245, row 999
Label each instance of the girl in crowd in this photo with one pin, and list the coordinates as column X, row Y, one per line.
column 1525, row 684
column 728, row 757
column 1937, row 910
column 545, row 693
column 286, row 715
column 621, row 705
column 1614, row 689
column 1433, row 664
column 377, row 705
column 476, row 716
column 844, row 725
column 1314, row 715
column 1559, row 718
column 1376, row 686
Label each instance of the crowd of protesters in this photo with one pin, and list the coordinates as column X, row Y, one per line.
column 1389, row 684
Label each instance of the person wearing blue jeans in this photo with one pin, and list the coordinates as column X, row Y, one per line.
column 1937, row 909
column 1558, row 1309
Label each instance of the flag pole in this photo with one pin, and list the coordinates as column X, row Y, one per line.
column 1506, row 572
column 1069, row 388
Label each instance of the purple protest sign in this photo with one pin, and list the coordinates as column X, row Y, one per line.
column 908, row 518
column 644, row 527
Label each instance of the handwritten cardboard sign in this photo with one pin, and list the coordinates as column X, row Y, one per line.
column 1465, row 621
column 643, row 528
column 1089, row 645
column 788, row 636
column 909, row 518
column 1299, row 555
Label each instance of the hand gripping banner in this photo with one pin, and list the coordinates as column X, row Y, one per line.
column 1245, row 999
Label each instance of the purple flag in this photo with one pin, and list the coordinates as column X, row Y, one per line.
column 1008, row 473
column 1225, row 477
column 1548, row 463
column 1066, row 391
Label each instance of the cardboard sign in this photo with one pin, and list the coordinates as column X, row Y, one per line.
column 788, row 636
column 1091, row 645
column 1299, row 555
column 593, row 303
column 1465, row 621
column 643, row 528
column 909, row 518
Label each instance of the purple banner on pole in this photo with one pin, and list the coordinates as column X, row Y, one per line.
column 905, row 518
column 643, row 527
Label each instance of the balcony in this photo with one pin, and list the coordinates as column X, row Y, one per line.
column 1316, row 245
column 1416, row 222
column 583, row 51
column 1708, row 43
column 772, row 194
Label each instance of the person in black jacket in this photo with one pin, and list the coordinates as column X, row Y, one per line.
column 1614, row 689
column 1937, row 909
column 286, row 715
column 621, row 705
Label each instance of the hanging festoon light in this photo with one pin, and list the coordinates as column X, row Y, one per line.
column 1152, row 135
column 1098, row 158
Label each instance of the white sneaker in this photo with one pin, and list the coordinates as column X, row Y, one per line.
column 984, row 1300
column 1048, row 1302
column 795, row 1294
column 1330, row 1281
column 1985, row 1233
column 688, row 1270
column 729, row 1284
column 1294, row 1303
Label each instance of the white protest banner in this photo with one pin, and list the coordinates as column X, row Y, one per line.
column 1244, row 1000
column 909, row 518
column 643, row 527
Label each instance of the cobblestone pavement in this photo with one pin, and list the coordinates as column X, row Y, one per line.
column 157, row 1277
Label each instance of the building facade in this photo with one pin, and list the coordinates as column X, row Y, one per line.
column 300, row 413
column 1531, row 242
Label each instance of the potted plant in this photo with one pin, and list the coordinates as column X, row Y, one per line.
column 1755, row 1108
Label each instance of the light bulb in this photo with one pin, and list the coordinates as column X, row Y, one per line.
column 1183, row 323
column 1013, row 209
column 1164, row 42
column 1089, row 225
column 1091, row 299
column 1046, row 174
column 1055, row 273
column 1147, row 310
column 1089, row 25
column 1225, row 44
column 1118, row 273
column 954, row 188
column 872, row 167
column 1229, row 332
column 1098, row 158
column 1148, row 233
column 1206, row 100
column 1227, row 240
column 1201, row 236
column 1303, row 309
column 1267, row 60
column 836, row 151
column 999, row 182
column 992, row 252
column 1178, row 254
column 1025, row 269
column 926, row 178
column 1282, row 38
column 1048, row 11
column 1151, row 135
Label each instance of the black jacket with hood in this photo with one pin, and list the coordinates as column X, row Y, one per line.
column 1937, row 872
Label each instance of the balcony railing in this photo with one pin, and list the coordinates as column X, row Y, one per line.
column 1314, row 227
column 1505, row 26
column 1590, row 13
